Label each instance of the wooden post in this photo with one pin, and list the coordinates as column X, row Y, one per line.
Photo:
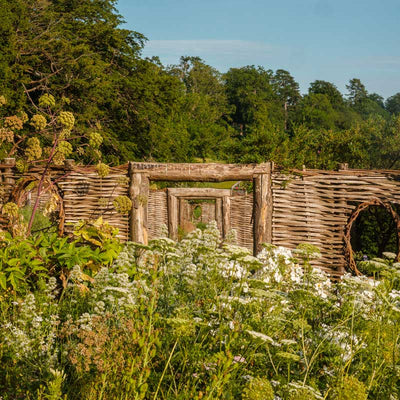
column 262, row 194
column 181, row 211
column 226, row 215
column 218, row 215
column 342, row 167
column 8, row 173
column 270, row 204
column 172, row 216
column 139, row 194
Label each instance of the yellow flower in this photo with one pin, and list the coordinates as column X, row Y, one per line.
column 10, row 209
column 102, row 169
column 13, row 123
column 122, row 204
column 39, row 122
column 33, row 150
column 67, row 119
column 47, row 100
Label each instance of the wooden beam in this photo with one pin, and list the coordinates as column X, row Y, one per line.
column 199, row 193
column 139, row 194
column 172, row 215
column 226, row 215
column 210, row 172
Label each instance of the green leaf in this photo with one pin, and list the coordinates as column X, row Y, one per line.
column 13, row 280
column 3, row 280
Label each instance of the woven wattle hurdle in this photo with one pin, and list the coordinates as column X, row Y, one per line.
column 315, row 206
column 88, row 196
column 241, row 219
column 157, row 212
column 286, row 208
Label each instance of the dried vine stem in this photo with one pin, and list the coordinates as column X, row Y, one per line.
column 19, row 192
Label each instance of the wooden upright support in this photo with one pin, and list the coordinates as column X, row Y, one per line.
column 341, row 268
column 226, row 215
column 172, row 215
column 8, row 172
column 262, row 192
column 218, row 214
column 139, row 194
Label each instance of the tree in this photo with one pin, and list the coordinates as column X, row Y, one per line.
column 329, row 90
column 357, row 91
column 316, row 112
column 287, row 90
column 250, row 91
column 77, row 48
column 378, row 99
column 285, row 87
column 205, row 108
column 345, row 115
column 392, row 104
column 364, row 103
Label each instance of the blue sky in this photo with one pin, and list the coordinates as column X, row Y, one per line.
column 312, row 39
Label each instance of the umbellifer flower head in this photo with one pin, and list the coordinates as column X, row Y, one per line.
column 122, row 204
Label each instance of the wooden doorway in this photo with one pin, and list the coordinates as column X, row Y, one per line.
column 188, row 206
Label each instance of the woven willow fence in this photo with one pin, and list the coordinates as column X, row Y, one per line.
column 286, row 208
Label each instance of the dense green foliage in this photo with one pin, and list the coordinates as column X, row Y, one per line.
column 25, row 262
column 79, row 52
column 197, row 319
column 374, row 232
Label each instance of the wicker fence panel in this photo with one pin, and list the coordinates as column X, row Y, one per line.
column 87, row 196
column 311, row 206
column 314, row 208
column 157, row 213
column 241, row 219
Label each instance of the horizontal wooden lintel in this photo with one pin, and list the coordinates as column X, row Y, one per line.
column 209, row 172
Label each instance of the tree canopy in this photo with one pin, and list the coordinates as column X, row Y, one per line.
column 79, row 52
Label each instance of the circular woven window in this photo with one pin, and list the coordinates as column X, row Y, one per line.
column 348, row 250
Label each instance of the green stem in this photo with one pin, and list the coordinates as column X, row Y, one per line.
column 165, row 368
column 146, row 355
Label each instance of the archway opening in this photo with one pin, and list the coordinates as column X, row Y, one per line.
column 372, row 231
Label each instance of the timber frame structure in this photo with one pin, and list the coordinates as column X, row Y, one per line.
column 285, row 207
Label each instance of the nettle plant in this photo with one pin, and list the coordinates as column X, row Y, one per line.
column 47, row 138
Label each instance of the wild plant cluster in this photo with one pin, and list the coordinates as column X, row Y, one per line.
column 203, row 319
